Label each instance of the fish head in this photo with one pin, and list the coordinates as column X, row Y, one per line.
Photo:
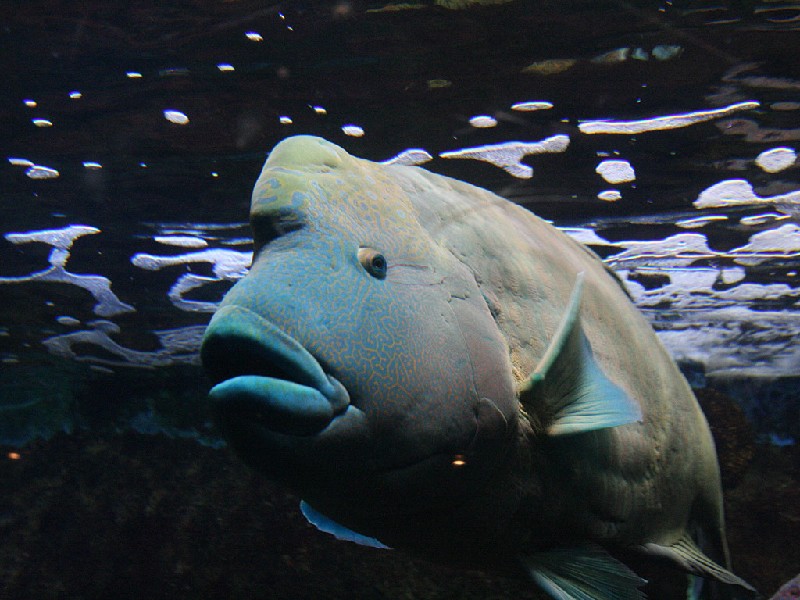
column 357, row 361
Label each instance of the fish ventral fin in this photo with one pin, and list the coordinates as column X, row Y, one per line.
column 583, row 573
column 340, row 532
column 687, row 556
column 568, row 391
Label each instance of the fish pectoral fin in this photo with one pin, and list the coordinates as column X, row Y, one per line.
column 583, row 573
column 687, row 556
column 568, row 390
column 340, row 532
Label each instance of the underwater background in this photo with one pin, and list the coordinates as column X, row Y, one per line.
column 662, row 134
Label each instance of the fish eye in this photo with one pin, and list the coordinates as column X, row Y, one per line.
column 373, row 262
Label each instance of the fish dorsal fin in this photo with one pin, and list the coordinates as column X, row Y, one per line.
column 583, row 573
column 567, row 390
column 687, row 556
column 340, row 532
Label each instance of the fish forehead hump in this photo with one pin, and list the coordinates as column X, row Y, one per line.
column 338, row 195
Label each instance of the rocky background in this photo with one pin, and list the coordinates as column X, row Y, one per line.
column 144, row 516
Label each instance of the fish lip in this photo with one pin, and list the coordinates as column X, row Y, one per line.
column 240, row 344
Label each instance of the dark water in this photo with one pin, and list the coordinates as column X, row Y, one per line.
column 133, row 134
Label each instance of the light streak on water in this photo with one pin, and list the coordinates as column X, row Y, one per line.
column 61, row 240
column 739, row 192
column 412, row 156
column 182, row 241
column 508, row 156
column 227, row 265
column 661, row 123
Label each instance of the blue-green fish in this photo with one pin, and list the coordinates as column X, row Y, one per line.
column 433, row 368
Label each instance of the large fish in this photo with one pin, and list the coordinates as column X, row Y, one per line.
column 431, row 367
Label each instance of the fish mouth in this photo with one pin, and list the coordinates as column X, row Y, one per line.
column 265, row 378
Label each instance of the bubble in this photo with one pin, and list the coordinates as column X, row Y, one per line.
column 68, row 321
column 41, row 172
column 483, row 121
column 531, row 106
column 352, row 130
column 616, row 171
column 176, row 116
column 776, row 159
column 609, row 195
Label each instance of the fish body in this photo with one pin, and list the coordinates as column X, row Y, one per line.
column 429, row 365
